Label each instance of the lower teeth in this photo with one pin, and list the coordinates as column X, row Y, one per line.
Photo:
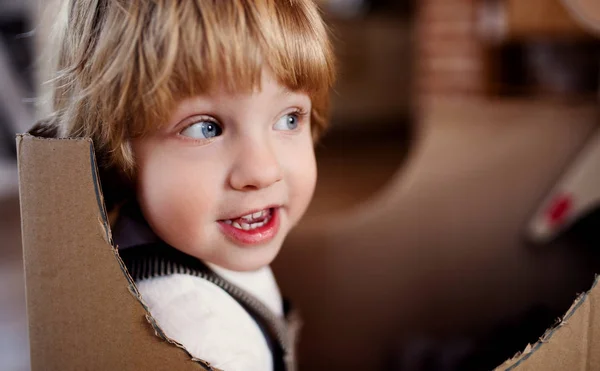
column 246, row 226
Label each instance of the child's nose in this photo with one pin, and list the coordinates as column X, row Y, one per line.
column 256, row 167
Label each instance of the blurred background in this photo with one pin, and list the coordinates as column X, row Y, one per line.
column 453, row 122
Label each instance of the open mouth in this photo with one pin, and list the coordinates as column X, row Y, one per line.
column 251, row 221
column 255, row 228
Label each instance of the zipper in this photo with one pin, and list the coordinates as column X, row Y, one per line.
column 272, row 320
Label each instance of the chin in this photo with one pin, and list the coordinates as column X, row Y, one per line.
column 249, row 261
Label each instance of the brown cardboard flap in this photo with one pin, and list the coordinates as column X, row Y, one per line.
column 574, row 344
column 82, row 315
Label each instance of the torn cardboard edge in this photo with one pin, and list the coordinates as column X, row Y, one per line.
column 75, row 294
column 157, row 330
column 519, row 361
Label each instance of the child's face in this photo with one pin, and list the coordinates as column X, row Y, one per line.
column 225, row 156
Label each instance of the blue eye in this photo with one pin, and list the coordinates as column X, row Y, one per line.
column 287, row 122
column 202, row 130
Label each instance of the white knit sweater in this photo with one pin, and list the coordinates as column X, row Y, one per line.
column 208, row 322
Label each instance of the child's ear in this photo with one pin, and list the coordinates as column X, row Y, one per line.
column 47, row 128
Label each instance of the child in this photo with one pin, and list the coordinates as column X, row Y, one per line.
column 203, row 115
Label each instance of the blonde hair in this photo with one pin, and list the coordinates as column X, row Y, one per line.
column 123, row 65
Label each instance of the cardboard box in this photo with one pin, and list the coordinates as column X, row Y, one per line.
column 85, row 312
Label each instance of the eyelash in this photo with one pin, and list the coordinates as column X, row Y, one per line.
column 300, row 115
column 298, row 112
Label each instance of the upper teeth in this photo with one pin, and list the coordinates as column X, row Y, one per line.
column 249, row 219
column 256, row 215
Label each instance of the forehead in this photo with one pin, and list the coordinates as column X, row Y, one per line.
column 267, row 95
column 268, row 86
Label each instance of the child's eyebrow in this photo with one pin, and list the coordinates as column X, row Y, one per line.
column 295, row 95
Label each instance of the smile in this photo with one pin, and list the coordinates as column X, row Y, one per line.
column 255, row 228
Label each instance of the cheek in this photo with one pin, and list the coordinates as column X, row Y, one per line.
column 302, row 180
column 173, row 195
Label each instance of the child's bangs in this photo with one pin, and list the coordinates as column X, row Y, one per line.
column 216, row 44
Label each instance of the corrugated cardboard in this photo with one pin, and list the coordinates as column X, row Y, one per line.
column 574, row 344
column 85, row 313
